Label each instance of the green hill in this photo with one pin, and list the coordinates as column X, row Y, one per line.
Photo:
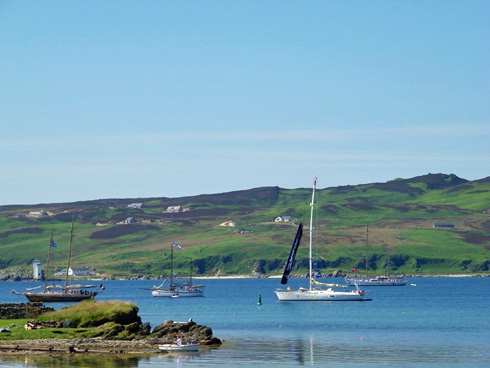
column 400, row 213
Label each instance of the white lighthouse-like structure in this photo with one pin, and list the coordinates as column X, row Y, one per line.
column 36, row 269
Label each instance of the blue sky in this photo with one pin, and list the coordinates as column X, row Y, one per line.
column 128, row 99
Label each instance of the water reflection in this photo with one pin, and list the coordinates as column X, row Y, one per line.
column 95, row 361
column 293, row 351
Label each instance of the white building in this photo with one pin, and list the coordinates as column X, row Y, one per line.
column 36, row 270
column 84, row 271
column 38, row 213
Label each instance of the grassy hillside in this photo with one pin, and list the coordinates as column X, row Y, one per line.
column 400, row 215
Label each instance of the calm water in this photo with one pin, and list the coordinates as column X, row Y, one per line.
column 440, row 321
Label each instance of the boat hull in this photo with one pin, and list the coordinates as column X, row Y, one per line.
column 176, row 294
column 175, row 347
column 321, row 295
column 376, row 281
column 56, row 298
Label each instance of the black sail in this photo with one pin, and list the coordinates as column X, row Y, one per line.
column 294, row 248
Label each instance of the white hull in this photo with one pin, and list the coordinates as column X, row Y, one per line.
column 175, row 347
column 321, row 295
column 176, row 294
column 375, row 281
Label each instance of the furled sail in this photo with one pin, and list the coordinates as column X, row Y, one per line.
column 314, row 282
column 294, row 248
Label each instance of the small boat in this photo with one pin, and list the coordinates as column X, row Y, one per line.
column 177, row 290
column 314, row 292
column 58, row 293
column 178, row 346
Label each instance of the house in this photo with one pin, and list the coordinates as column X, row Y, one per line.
column 129, row 220
column 283, row 219
column 38, row 213
column 136, row 206
column 173, row 209
column 443, row 224
column 84, row 271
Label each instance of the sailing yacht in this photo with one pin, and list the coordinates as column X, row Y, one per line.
column 59, row 293
column 383, row 280
column 314, row 292
column 176, row 290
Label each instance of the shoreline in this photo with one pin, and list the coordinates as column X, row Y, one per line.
column 236, row 277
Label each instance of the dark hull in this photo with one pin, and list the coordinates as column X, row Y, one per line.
column 57, row 297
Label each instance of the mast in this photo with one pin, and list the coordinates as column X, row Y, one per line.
column 47, row 264
column 171, row 267
column 388, row 265
column 311, row 229
column 367, row 250
column 190, row 277
column 69, row 256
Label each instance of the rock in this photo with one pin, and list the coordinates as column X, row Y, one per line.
column 169, row 330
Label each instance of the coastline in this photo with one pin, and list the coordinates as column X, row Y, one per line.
column 235, row 277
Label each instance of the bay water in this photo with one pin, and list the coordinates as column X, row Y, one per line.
column 431, row 322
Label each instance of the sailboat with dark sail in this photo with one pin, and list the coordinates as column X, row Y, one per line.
column 314, row 292
column 59, row 293
column 180, row 289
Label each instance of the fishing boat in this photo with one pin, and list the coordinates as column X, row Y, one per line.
column 60, row 293
column 316, row 291
column 383, row 280
column 180, row 289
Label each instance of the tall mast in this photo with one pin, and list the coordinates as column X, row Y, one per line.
column 388, row 265
column 312, row 204
column 367, row 250
column 47, row 264
column 190, row 278
column 171, row 267
column 69, row 255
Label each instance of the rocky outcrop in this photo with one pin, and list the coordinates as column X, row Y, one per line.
column 168, row 331
column 22, row 310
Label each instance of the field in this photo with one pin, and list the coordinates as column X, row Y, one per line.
column 389, row 224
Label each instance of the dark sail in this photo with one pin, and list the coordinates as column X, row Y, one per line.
column 294, row 248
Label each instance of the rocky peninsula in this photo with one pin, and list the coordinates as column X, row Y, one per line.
column 94, row 327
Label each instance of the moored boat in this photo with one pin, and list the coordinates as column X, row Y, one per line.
column 176, row 290
column 314, row 292
column 58, row 293
column 179, row 346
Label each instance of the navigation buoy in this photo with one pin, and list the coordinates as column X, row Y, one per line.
column 259, row 300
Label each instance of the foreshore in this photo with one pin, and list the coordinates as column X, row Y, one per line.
column 74, row 346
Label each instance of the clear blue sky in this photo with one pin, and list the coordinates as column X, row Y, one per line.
column 126, row 99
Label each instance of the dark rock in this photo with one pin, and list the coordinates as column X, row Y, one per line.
column 169, row 330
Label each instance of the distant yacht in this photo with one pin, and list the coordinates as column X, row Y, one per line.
column 358, row 280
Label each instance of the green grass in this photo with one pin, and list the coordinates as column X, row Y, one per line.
column 400, row 211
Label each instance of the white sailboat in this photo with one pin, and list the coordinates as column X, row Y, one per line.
column 176, row 290
column 383, row 280
column 314, row 292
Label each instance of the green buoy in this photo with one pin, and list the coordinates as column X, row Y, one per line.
column 259, row 300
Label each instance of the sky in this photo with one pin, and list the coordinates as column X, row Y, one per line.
column 136, row 99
